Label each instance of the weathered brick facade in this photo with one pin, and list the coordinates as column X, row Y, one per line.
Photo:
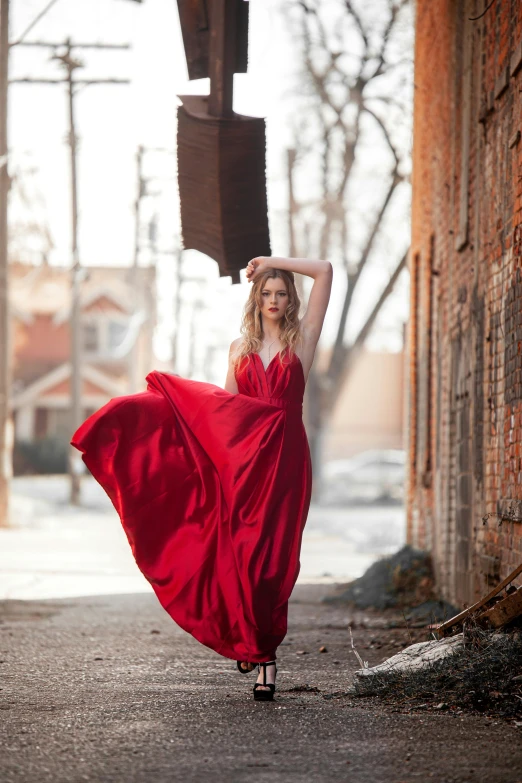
column 465, row 329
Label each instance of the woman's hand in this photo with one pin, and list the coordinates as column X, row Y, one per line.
column 256, row 267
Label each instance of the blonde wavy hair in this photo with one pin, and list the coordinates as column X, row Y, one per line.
column 252, row 325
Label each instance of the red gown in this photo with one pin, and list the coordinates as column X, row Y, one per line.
column 212, row 490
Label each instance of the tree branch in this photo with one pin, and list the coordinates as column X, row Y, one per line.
column 353, row 278
column 386, row 133
column 358, row 21
column 394, row 13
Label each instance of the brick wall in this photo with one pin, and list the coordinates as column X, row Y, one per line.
column 465, row 330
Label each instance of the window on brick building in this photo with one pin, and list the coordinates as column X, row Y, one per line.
column 116, row 335
column 90, row 337
column 40, row 422
column 102, row 336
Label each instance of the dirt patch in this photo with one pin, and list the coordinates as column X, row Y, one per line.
column 20, row 611
column 403, row 580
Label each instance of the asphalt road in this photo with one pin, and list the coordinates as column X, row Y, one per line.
column 107, row 688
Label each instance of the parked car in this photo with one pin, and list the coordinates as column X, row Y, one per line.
column 373, row 475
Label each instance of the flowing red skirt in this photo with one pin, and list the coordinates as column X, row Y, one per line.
column 212, row 490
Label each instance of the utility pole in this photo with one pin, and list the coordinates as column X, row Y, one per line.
column 177, row 253
column 177, row 309
column 198, row 306
column 76, row 340
column 141, row 192
column 70, row 64
column 5, row 341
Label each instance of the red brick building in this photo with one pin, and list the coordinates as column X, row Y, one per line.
column 465, row 331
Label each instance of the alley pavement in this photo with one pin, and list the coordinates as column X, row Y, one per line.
column 98, row 684
column 108, row 689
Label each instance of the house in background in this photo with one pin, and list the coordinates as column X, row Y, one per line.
column 40, row 310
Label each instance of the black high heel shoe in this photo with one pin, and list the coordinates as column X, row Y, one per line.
column 246, row 671
column 262, row 695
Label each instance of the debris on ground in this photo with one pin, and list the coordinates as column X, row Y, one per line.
column 505, row 611
column 402, row 580
column 429, row 612
column 337, row 695
column 480, row 670
column 303, row 689
column 417, row 656
column 509, row 606
column 479, row 667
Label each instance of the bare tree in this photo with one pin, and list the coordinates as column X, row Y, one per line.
column 353, row 129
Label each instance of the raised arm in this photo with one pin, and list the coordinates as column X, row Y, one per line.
column 312, row 322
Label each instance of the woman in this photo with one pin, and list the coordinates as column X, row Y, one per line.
column 213, row 485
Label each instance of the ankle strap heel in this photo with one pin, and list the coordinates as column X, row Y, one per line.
column 246, row 671
column 264, row 695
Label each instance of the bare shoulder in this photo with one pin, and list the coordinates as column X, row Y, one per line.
column 231, row 381
column 235, row 345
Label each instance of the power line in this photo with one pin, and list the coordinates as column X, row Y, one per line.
column 34, row 23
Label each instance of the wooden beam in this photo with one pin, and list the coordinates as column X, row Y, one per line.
column 505, row 611
column 222, row 57
column 479, row 604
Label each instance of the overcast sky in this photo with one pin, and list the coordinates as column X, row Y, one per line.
column 113, row 120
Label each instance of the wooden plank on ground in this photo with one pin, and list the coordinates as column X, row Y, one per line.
column 505, row 611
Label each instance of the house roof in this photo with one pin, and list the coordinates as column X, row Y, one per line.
column 45, row 384
column 89, row 297
column 46, row 289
